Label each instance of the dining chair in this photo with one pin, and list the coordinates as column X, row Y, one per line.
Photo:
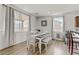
column 31, row 41
column 43, row 40
column 46, row 41
column 39, row 43
column 68, row 40
column 74, row 38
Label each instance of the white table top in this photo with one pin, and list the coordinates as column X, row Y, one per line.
column 39, row 34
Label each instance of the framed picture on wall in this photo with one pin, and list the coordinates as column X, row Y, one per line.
column 43, row 23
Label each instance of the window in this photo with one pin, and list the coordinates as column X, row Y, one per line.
column 21, row 22
column 18, row 25
column 25, row 20
column 58, row 24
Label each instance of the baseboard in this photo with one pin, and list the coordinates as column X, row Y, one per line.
column 10, row 46
column 4, row 48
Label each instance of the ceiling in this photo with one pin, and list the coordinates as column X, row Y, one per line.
column 48, row 9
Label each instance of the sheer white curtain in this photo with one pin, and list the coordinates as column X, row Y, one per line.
column 9, row 27
column 2, row 26
column 6, row 26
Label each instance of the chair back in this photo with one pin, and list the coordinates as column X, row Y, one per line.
column 33, row 38
column 68, row 36
column 30, row 38
column 74, row 36
column 47, row 38
column 71, row 36
column 70, row 40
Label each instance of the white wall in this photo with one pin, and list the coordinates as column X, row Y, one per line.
column 44, row 28
column 69, row 20
column 33, row 23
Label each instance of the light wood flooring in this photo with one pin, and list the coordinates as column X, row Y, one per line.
column 54, row 48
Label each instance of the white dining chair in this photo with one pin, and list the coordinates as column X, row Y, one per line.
column 46, row 41
column 39, row 43
column 31, row 41
column 43, row 40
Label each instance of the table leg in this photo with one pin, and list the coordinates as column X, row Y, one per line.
column 76, row 45
column 40, row 46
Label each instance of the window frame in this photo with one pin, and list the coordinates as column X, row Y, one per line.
column 62, row 24
column 20, row 19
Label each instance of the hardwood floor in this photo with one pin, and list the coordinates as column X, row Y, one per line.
column 57, row 48
column 16, row 49
column 54, row 48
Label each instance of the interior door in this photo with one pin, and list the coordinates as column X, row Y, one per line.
column 77, row 21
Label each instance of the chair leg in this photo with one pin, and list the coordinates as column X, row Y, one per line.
column 27, row 45
column 40, row 48
column 46, row 47
column 69, row 46
column 72, row 48
column 28, row 48
column 76, row 45
column 33, row 48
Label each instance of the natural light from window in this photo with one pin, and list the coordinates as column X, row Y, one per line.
column 58, row 24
